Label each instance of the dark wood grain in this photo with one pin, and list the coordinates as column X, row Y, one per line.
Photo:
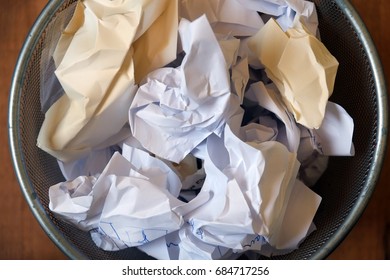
column 21, row 237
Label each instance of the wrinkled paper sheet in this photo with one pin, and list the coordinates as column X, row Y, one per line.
column 300, row 66
column 146, row 189
column 99, row 58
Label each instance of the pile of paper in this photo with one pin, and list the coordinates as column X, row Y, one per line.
column 193, row 129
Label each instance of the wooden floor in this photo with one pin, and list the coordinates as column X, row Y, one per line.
column 21, row 237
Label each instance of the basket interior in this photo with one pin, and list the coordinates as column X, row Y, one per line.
column 340, row 187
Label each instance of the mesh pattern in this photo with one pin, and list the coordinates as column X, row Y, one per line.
column 343, row 183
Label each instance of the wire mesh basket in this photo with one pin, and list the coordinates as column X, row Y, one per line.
column 345, row 187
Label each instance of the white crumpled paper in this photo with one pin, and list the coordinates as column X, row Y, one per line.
column 177, row 109
column 225, row 16
column 287, row 12
column 141, row 205
column 215, row 161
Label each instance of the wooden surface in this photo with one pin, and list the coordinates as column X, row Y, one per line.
column 21, row 237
